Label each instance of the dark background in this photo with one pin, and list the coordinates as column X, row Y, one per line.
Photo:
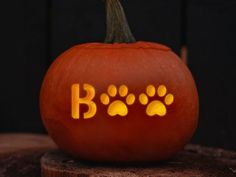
column 34, row 32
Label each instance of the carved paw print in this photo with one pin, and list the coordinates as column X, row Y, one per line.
column 117, row 107
column 156, row 107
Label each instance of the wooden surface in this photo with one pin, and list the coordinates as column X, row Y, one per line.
column 20, row 157
column 194, row 161
column 20, row 154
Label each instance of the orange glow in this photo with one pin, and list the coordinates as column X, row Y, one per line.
column 76, row 101
column 119, row 106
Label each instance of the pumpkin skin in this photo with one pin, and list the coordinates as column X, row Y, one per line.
column 136, row 137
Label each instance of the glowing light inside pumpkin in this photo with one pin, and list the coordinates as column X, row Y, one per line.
column 118, row 100
column 169, row 99
column 112, row 90
column 130, row 99
column 76, row 101
column 161, row 91
column 151, row 90
column 117, row 107
column 105, row 99
column 143, row 99
column 156, row 107
column 123, row 91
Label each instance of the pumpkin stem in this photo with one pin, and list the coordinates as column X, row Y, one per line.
column 118, row 30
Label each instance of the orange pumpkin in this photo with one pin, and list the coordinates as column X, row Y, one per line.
column 145, row 98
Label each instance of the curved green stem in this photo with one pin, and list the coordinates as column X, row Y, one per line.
column 118, row 30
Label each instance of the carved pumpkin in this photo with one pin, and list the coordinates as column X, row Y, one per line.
column 119, row 101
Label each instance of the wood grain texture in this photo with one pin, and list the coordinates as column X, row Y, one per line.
column 20, row 154
column 194, row 161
